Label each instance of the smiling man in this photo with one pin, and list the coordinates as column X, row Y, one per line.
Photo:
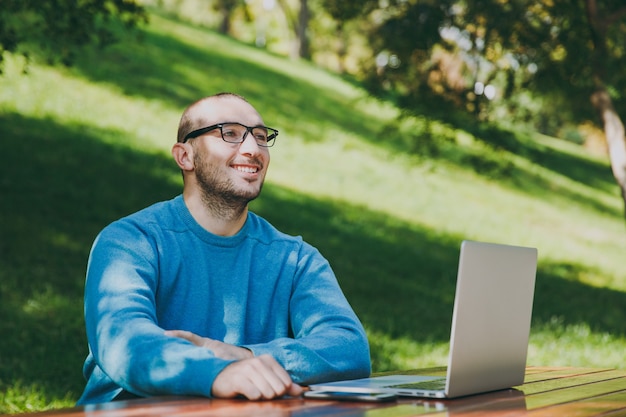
column 200, row 296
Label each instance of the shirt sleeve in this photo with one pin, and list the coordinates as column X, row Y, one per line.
column 124, row 337
column 329, row 341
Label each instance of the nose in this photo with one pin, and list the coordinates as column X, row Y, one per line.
column 249, row 146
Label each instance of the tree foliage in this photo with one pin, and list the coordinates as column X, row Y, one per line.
column 550, row 46
column 226, row 8
column 344, row 10
column 58, row 28
column 570, row 52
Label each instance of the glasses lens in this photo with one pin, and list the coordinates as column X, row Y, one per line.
column 264, row 136
column 233, row 132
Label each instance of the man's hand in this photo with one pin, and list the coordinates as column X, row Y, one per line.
column 220, row 349
column 256, row 378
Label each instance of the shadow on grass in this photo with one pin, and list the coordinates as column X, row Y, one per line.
column 592, row 173
column 494, row 161
column 580, row 170
column 60, row 186
column 585, row 171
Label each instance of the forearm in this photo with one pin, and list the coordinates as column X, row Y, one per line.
column 329, row 342
column 123, row 331
column 327, row 356
column 146, row 362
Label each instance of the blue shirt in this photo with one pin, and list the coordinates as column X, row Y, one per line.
column 158, row 269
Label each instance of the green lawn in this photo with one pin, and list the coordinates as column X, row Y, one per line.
column 82, row 146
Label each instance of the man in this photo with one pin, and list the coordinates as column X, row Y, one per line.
column 199, row 296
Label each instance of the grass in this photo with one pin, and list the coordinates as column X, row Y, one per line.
column 85, row 145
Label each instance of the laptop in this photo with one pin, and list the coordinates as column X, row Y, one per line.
column 490, row 328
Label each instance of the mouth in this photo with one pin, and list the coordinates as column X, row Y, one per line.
column 247, row 169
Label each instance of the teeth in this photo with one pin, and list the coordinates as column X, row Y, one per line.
column 249, row 170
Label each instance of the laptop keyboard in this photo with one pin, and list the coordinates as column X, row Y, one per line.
column 433, row 384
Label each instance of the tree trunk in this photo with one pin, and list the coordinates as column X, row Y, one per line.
column 304, row 50
column 615, row 137
column 225, row 8
column 299, row 26
column 342, row 48
column 224, row 28
column 601, row 100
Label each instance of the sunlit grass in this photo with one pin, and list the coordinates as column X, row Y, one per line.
column 57, row 94
column 20, row 398
column 558, row 344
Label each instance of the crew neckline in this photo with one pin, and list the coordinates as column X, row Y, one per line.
column 202, row 233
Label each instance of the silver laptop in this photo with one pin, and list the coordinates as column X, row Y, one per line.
column 490, row 328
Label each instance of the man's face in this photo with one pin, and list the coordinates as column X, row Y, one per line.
column 232, row 172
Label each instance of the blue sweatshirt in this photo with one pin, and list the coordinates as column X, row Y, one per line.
column 158, row 269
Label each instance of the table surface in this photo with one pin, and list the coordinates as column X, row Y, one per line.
column 547, row 391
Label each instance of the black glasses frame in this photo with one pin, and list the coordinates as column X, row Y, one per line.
column 272, row 133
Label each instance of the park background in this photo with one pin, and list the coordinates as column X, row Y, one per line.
column 385, row 183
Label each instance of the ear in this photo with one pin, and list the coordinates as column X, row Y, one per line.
column 183, row 155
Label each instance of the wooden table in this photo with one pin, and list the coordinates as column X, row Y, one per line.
column 547, row 391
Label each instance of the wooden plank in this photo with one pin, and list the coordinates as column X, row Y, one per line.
column 499, row 403
column 606, row 405
column 567, row 404
column 574, row 393
column 551, row 373
column 535, row 369
column 566, row 381
column 399, row 410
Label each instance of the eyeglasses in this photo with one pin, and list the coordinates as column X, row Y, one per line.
column 236, row 133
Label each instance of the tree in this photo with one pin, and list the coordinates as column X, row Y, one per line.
column 298, row 22
column 342, row 11
column 403, row 41
column 225, row 9
column 57, row 28
column 578, row 50
column 607, row 29
column 571, row 52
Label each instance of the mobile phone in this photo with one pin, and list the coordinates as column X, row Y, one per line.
column 351, row 396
